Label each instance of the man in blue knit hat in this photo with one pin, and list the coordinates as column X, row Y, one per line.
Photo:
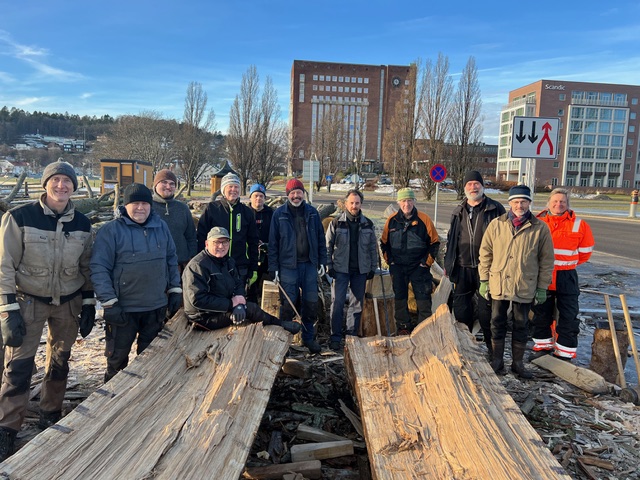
column 263, row 214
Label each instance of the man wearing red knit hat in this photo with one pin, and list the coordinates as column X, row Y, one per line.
column 297, row 255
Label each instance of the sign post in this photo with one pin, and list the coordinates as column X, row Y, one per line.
column 311, row 173
column 438, row 173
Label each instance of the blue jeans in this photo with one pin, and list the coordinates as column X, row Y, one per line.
column 304, row 277
column 341, row 283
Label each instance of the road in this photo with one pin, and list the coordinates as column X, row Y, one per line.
column 614, row 236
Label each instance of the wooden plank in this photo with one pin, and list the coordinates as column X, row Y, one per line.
column 583, row 378
column 310, row 469
column 310, row 434
column 189, row 405
column 321, row 451
column 432, row 407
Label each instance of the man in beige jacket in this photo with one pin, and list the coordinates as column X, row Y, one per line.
column 516, row 264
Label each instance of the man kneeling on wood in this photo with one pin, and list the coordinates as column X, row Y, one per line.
column 214, row 294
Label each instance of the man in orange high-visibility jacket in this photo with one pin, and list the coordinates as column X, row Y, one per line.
column 572, row 243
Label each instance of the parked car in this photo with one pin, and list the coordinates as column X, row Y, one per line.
column 384, row 181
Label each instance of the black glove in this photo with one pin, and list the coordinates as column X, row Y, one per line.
column 371, row 274
column 239, row 314
column 332, row 273
column 13, row 328
column 175, row 302
column 87, row 319
column 114, row 315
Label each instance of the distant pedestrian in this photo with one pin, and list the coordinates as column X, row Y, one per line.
column 352, row 254
column 516, row 264
column 410, row 245
column 469, row 221
column 297, row 257
column 573, row 244
column 176, row 214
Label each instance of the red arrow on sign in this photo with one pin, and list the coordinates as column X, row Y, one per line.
column 545, row 138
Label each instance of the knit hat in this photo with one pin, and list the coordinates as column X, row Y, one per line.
column 164, row 174
column 406, row 194
column 520, row 191
column 136, row 192
column 256, row 187
column 60, row 168
column 294, row 184
column 229, row 179
column 217, row 232
column 473, row 176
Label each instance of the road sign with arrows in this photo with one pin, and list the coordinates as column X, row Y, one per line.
column 534, row 137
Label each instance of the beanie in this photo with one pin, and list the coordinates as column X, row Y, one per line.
column 294, row 184
column 406, row 194
column 229, row 179
column 136, row 192
column 164, row 174
column 473, row 176
column 217, row 232
column 60, row 168
column 520, row 191
column 256, row 187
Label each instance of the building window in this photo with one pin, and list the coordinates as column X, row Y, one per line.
column 359, row 79
column 573, row 152
column 302, row 77
column 366, row 90
column 604, row 127
column 630, row 155
column 632, row 115
column 554, row 182
column 629, row 141
column 616, row 140
column 588, row 152
column 353, row 79
column 627, row 167
column 334, row 88
column 618, row 128
column 322, row 88
column 601, row 167
column 560, row 112
column 592, row 113
column 625, row 184
column 571, row 181
column 556, row 164
column 605, row 114
column 315, row 88
column 562, row 97
column 603, row 140
column 634, row 101
column 632, row 128
column 584, row 181
column 621, row 115
column 334, row 78
column 590, row 127
column 589, row 139
column 315, row 77
column 300, row 153
column 322, row 78
column 366, row 80
column 611, row 183
column 574, row 139
column 359, row 90
column 577, row 112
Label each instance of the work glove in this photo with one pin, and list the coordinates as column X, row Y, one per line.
column 175, row 302
column 13, row 328
column 253, row 279
column 332, row 272
column 371, row 274
column 239, row 314
column 484, row 289
column 114, row 315
column 276, row 277
column 541, row 296
column 87, row 319
column 321, row 270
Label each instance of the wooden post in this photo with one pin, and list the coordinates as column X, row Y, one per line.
column 632, row 340
column 602, row 353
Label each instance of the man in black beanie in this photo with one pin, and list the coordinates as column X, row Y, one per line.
column 469, row 221
column 134, row 269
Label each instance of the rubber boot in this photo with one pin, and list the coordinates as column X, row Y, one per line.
column 497, row 361
column 7, row 443
column 517, row 365
column 309, row 316
column 487, row 340
column 48, row 418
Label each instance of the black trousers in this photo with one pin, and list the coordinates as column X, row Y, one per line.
column 467, row 302
column 499, row 309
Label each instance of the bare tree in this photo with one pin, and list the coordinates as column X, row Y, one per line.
column 434, row 106
column 147, row 136
column 257, row 136
column 400, row 148
column 328, row 140
column 195, row 140
column 466, row 125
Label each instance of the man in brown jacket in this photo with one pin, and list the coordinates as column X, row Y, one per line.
column 516, row 264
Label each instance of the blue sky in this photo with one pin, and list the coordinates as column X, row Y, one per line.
column 124, row 57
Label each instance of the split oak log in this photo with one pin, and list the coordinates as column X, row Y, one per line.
column 432, row 408
column 188, row 406
column 582, row 378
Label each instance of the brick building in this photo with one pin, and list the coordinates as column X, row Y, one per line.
column 597, row 137
column 361, row 98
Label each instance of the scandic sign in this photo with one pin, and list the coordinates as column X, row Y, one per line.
column 535, row 137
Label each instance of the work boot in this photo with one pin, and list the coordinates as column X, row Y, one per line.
column 497, row 361
column 517, row 365
column 7, row 443
column 48, row 418
column 537, row 354
column 335, row 345
column 313, row 346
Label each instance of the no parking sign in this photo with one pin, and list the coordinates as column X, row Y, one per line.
column 438, row 173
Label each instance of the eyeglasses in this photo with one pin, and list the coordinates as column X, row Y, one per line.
column 220, row 243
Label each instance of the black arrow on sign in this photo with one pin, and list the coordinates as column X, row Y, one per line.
column 521, row 136
column 533, row 137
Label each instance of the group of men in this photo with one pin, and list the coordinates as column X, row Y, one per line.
column 144, row 265
column 503, row 264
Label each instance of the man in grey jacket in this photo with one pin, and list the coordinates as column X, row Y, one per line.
column 516, row 264
column 352, row 257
